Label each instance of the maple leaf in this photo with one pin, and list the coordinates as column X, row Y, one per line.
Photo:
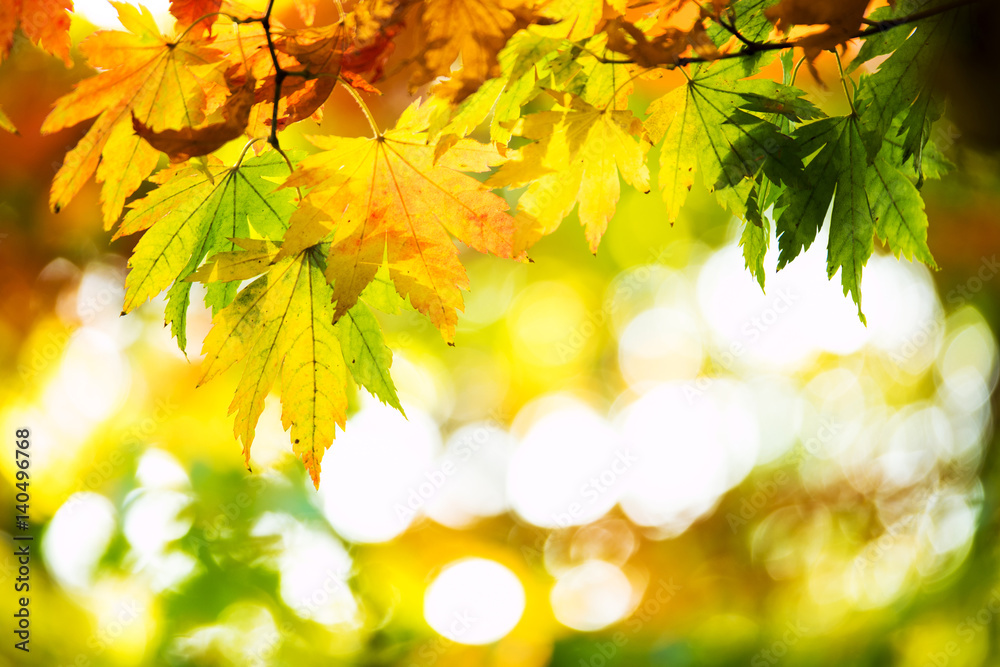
column 391, row 197
column 903, row 84
column 366, row 353
column 530, row 62
column 188, row 11
column 705, row 124
column 898, row 211
column 475, row 30
column 193, row 214
column 44, row 22
column 749, row 19
column 577, row 156
column 756, row 236
column 579, row 72
column 897, row 208
column 842, row 18
column 162, row 82
column 281, row 325
column 360, row 335
column 838, row 170
column 524, row 62
column 179, row 145
column 663, row 49
column 313, row 59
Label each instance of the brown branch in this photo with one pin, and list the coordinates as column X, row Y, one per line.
column 280, row 74
column 753, row 48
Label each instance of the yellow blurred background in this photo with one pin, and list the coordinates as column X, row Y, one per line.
column 633, row 458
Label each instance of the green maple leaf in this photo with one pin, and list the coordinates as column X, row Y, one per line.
column 196, row 212
column 281, row 324
column 751, row 22
column 704, row 125
column 362, row 344
column 365, row 352
column 837, row 171
column 524, row 62
column 883, row 41
column 800, row 211
column 851, row 225
column 903, row 84
column 756, row 234
column 898, row 211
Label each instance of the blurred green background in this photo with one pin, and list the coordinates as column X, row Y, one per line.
column 633, row 458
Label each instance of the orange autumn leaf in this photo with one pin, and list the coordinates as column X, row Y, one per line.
column 842, row 18
column 188, row 11
column 320, row 54
column 44, row 22
column 165, row 83
column 664, row 49
column 188, row 142
column 388, row 197
column 473, row 30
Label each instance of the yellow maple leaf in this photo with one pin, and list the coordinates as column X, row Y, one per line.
column 391, row 197
column 164, row 83
column 475, row 30
column 282, row 325
column 578, row 154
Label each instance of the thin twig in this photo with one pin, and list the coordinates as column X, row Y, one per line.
column 754, row 48
column 731, row 29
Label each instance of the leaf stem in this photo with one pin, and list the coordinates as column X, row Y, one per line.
column 843, row 82
column 614, row 95
column 206, row 16
column 795, row 70
column 243, row 153
column 364, row 107
column 291, row 168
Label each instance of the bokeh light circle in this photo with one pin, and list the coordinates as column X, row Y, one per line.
column 474, row 601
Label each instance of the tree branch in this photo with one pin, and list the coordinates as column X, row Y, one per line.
column 280, row 74
column 753, row 48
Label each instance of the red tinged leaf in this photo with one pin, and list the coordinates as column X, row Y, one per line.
column 165, row 82
column 190, row 142
column 188, row 11
column 392, row 197
column 44, row 22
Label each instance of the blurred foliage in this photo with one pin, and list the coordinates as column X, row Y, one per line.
column 155, row 546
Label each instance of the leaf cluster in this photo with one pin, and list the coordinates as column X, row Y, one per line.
column 297, row 251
